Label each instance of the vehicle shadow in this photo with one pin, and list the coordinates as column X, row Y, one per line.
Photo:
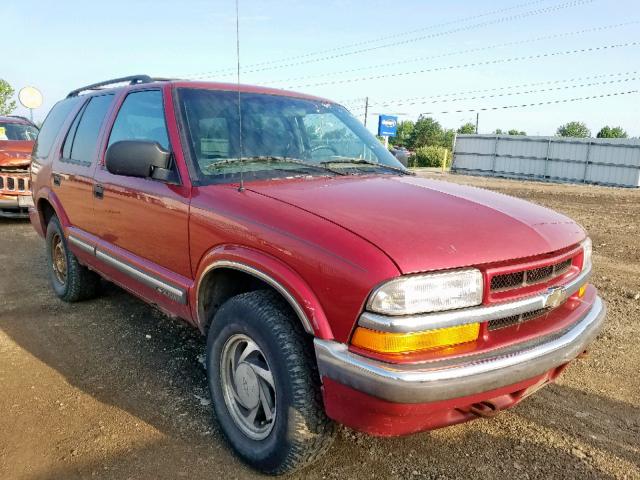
column 461, row 452
column 11, row 223
column 126, row 354
column 599, row 422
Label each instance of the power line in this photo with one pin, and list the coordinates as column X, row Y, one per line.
column 509, row 94
column 537, row 104
column 467, row 65
column 273, row 66
column 378, row 39
column 405, row 100
column 460, row 52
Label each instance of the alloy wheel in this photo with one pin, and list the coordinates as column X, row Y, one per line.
column 58, row 259
column 248, row 386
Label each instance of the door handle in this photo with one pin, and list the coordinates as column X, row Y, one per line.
column 98, row 191
column 57, row 179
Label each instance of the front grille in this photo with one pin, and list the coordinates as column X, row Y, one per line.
column 510, row 281
column 516, row 319
column 507, row 281
column 14, row 183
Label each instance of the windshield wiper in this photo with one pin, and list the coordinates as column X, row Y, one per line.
column 269, row 159
column 361, row 161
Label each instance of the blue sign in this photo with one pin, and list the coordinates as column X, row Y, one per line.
column 387, row 126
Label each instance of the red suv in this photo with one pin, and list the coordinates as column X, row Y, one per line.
column 17, row 135
column 332, row 284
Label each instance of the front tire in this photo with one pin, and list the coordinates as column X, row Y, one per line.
column 265, row 385
column 70, row 281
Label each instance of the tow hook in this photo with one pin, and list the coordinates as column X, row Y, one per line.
column 484, row 409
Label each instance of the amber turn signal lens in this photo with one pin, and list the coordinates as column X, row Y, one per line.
column 583, row 289
column 384, row 342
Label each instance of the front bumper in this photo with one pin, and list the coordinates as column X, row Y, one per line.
column 449, row 379
column 10, row 207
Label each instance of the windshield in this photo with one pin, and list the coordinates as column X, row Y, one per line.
column 320, row 138
column 18, row 131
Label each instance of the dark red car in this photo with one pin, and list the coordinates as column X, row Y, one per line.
column 332, row 284
column 17, row 136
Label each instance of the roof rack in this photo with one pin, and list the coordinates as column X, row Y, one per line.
column 133, row 80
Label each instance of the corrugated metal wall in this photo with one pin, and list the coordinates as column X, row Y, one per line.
column 603, row 161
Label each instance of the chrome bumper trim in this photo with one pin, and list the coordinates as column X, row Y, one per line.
column 444, row 380
column 432, row 321
column 13, row 202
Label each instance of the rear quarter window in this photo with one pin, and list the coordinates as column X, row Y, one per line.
column 81, row 143
column 51, row 127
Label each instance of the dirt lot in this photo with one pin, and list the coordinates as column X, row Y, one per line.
column 113, row 389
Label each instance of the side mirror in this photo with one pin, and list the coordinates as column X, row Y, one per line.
column 139, row 158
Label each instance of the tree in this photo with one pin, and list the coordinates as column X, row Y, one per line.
column 403, row 134
column 447, row 138
column 612, row 132
column 7, row 105
column 467, row 128
column 513, row 131
column 426, row 131
column 431, row 156
column 573, row 129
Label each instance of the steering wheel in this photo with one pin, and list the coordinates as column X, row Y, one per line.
column 312, row 150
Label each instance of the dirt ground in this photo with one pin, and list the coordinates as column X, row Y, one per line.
column 112, row 389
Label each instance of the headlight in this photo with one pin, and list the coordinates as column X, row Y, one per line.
column 432, row 292
column 586, row 253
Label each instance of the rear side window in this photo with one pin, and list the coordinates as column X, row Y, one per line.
column 81, row 142
column 141, row 117
column 51, row 127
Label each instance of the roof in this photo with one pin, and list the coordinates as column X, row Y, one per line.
column 134, row 80
column 15, row 119
column 246, row 89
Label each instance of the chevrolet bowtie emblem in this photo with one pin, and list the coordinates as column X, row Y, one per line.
column 556, row 296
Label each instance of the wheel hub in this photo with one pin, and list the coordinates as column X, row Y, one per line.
column 59, row 259
column 246, row 383
column 248, row 386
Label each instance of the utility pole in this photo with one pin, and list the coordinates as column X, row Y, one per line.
column 477, row 121
column 366, row 110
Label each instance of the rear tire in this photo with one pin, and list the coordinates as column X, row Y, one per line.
column 265, row 385
column 70, row 281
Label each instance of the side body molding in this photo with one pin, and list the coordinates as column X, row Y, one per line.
column 273, row 272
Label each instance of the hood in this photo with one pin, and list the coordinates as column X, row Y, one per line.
column 425, row 225
column 15, row 153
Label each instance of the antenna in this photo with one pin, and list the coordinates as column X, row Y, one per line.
column 241, row 189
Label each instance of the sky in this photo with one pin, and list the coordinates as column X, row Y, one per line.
column 456, row 56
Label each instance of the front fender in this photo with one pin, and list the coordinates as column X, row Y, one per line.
column 274, row 272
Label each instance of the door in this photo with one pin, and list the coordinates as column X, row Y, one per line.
column 73, row 170
column 144, row 220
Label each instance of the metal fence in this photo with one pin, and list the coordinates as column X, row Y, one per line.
column 602, row 161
